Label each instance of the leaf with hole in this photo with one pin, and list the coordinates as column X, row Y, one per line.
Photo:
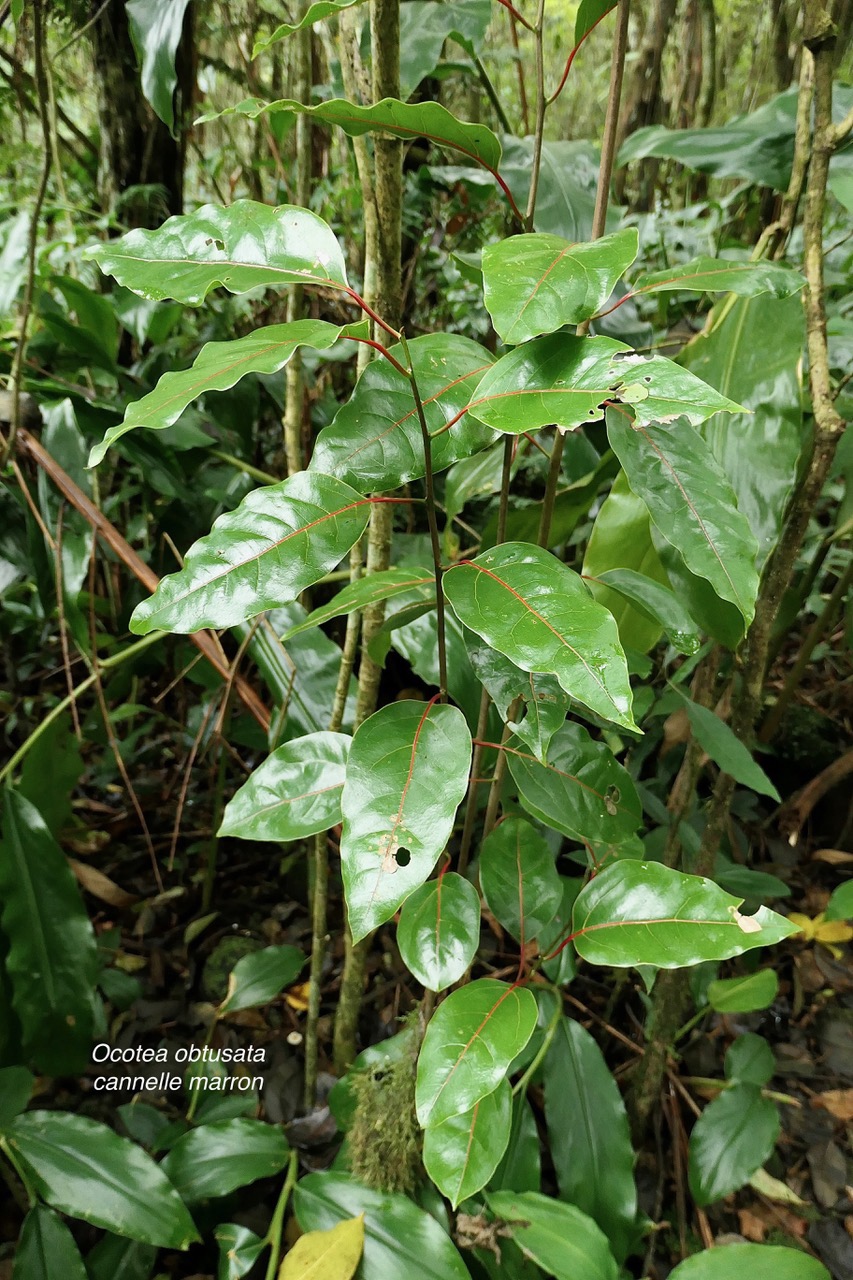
column 732, row 1138
column 439, row 930
column 462, row 1153
column 472, row 1039
column 295, row 793
column 558, row 1237
column 281, row 539
column 519, row 879
column 260, row 976
column 406, row 775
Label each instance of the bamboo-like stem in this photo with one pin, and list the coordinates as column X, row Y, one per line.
column 294, row 402
column 273, row 1237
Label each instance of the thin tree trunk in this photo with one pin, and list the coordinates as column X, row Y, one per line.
column 294, row 404
column 643, row 102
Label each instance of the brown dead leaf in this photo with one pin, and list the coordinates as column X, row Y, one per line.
column 835, row 857
column 101, row 886
column 676, row 730
column 752, row 1226
column 838, row 1102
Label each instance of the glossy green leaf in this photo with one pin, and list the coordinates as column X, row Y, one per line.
column 568, row 179
column 645, row 913
column 281, row 539
column 590, row 13
column 732, row 1138
column 155, row 28
column 714, row 616
column 400, row 1239
column 219, row 1157
column 244, row 246
column 562, row 1240
column 758, row 1261
column 726, row 749
column 260, row 976
column 691, row 502
column 744, row 995
column 529, row 606
column 562, row 967
column 114, row 1258
column 545, row 702
column 658, row 603
column 220, row 365
column 314, row 13
column 439, row 930
column 371, row 589
column 746, row 278
column 589, row 1135
column 536, row 283
column 46, row 1249
column 519, row 879
column 520, row 1168
column 407, row 773
column 53, row 961
column 462, row 1153
column 374, row 442
column 749, row 1060
column 83, row 1169
column 566, row 380
column 472, row 1038
column 326, row 1255
column 425, row 25
column 582, row 791
column 840, row 906
column 295, row 793
column 16, row 1089
column 239, row 1250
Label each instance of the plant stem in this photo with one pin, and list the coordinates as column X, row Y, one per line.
column 273, row 1237
column 541, row 107
column 550, row 1032
column 294, row 404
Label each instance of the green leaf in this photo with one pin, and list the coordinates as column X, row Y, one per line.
column 590, row 13
column 714, row 616
column 545, row 701
column 400, row 1239
column 645, row 913
column 439, row 930
column 16, row 1089
column 46, row 1249
column 519, row 879
column 744, row 995
column 758, row 1261
column 281, row 539
column 244, row 246
column 536, row 283
column 589, row 1135
column 521, row 1166
column 155, row 28
column 732, row 1138
column 840, row 906
column 472, row 1039
column 749, row 1060
column 314, row 13
column 568, row 179
column 659, row 603
column 56, row 751
column 725, row 749
column 220, row 365
column 365, row 591
column 529, row 606
column 582, row 791
column 83, row 1169
column 558, row 1237
column 116, row 1259
column 260, row 976
column 462, row 1153
column 374, row 442
column 326, row 1255
column 562, row 968
column 407, row 773
column 295, row 793
column 239, row 1250
column 424, row 27
column 691, row 502
column 566, row 380
column 53, row 959
column 745, row 278
column 217, row 1158
column 406, row 120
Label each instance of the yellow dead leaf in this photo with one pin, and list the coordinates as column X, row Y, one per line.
column 804, row 923
column 838, row 1102
column 101, row 886
column 297, row 997
column 828, row 932
column 326, row 1255
column 129, row 963
column 771, row 1187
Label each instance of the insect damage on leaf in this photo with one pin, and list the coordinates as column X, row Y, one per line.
column 748, row 924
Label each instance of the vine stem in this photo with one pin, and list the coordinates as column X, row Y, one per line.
column 273, row 1238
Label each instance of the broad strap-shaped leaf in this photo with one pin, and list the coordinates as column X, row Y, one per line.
column 732, row 1138
column 374, row 442
column 520, row 1168
column 314, row 13
column 244, row 246
column 371, row 589
column 52, row 962
column 406, row 776
column 425, row 25
column 645, row 913
column 691, row 502
column 278, row 541
column 84, row 1169
column 470, row 1043
column 657, row 602
column 219, row 1157
column 155, row 28
column 16, row 1088
column 545, row 701
column 326, row 1255
column 257, row 978
column 566, row 380
column 722, row 275
column 295, row 793
column 527, row 604
column 758, row 1261
column 589, row 1135
column 726, row 749
column 519, row 879
column 407, row 120
column 462, row 1153
column 558, row 1237
column 46, row 1248
column 536, row 283
column 220, row 365
column 439, row 930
